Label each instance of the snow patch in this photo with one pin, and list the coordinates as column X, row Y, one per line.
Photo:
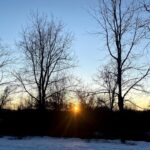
column 47, row 143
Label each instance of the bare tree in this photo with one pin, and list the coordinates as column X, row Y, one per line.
column 123, row 31
column 5, row 88
column 86, row 98
column 4, row 97
column 107, row 80
column 46, row 50
column 58, row 92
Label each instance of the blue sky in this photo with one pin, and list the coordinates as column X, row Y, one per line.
column 88, row 48
column 14, row 16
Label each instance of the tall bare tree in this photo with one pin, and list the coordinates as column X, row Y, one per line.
column 122, row 28
column 46, row 49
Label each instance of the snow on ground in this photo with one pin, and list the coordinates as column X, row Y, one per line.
column 47, row 143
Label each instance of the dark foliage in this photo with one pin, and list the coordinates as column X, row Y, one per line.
column 100, row 123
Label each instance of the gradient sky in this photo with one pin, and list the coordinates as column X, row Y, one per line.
column 14, row 16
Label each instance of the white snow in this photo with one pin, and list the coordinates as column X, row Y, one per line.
column 47, row 143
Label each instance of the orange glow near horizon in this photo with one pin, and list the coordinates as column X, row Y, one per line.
column 76, row 109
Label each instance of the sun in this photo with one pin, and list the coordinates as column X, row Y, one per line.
column 76, row 109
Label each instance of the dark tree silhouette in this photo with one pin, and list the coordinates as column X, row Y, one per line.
column 107, row 80
column 4, row 97
column 46, row 49
column 121, row 27
column 86, row 99
column 6, row 88
column 58, row 91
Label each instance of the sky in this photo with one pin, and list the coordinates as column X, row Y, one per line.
column 14, row 15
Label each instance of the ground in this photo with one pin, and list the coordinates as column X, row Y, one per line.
column 47, row 143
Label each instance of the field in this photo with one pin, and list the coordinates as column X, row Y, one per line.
column 46, row 143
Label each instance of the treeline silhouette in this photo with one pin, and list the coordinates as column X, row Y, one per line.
column 96, row 123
